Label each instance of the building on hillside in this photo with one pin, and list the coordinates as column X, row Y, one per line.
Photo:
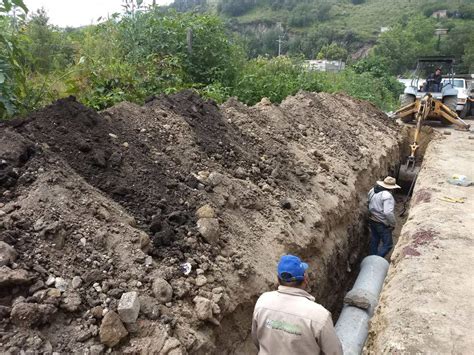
column 325, row 65
column 384, row 29
column 440, row 14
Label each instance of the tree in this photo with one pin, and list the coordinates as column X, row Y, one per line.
column 48, row 47
column 401, row 45
column 333, row 52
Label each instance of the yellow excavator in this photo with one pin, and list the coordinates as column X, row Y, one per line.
column 425, row 101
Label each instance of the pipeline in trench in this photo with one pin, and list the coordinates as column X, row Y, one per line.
column 334, row 277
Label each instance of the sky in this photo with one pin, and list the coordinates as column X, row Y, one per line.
column 75, row 13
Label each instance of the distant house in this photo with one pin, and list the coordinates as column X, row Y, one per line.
column 384, row 29
column 440, row 14
column 325, row 65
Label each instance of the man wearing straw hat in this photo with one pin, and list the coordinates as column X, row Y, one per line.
column 382, row 216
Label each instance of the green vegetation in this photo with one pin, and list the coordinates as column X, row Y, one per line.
column 151, row 50
column 280, row 77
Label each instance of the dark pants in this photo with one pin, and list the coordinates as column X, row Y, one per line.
column 380, row 233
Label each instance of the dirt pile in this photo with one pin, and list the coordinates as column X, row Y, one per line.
column 185, row 203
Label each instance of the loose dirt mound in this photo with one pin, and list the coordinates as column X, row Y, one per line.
column 94, row 205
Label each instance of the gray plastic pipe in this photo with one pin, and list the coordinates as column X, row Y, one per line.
column 352, row 326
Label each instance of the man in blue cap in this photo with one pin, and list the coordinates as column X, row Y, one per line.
column 288, row 321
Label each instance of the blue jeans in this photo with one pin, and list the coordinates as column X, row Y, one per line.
column 380, row 233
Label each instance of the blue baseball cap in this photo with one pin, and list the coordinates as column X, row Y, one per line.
column 291, row 268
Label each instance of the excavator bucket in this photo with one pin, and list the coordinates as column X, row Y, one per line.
column 407, row 174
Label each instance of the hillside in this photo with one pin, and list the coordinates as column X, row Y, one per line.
column 307, row 26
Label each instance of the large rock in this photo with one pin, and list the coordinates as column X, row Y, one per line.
column 205, row 211
column 112, row 329
column 28, row 314
column 201, row 280
column 9, row 277
column 61, row 284
column 71, row 301
column 209, row 229
column 162, row 290
column 7, row 254
column 129, row 307
column 203, row 308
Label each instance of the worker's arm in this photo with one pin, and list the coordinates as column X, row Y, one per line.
column 389, row 209
column 328, row 340
column 254, row 329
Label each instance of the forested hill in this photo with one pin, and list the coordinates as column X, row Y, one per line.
column 402, row 29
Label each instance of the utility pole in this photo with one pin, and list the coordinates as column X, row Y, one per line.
column 280, row 41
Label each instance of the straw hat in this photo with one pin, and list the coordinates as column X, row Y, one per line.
column 389, row 183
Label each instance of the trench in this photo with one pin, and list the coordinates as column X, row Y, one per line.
column 336, row 275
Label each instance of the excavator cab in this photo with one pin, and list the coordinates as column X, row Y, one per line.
column 421, row 85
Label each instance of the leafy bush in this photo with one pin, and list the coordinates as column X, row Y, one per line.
column 272, row 78
column 199, row 42
column 13, row 76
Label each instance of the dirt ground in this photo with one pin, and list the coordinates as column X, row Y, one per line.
column 96, row 205
column 426, row 305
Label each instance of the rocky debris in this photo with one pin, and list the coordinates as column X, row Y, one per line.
column 71, row 301
column 215, row 179
column 151, row 344
column 205, row 211
column 38, row 285
column 129, row 307
column 97, row 312
column 60, row 284
column 201, row 280
column 204, row 309
column 172, row 347
column 112, row 330
column 150, row 307
column 7, row 254
column 50, row 281
column 108, row 217
column 4, row 312
column 240, row 173
column 76, row 282
column 209, row 229
column 9, row 277
column 287, row 203
column 162, row 290
column 29, row 314
column 96, row 349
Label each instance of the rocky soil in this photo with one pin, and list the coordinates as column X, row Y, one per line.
column 154, row 228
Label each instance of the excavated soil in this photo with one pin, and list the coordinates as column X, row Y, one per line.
column 98, row 204
column 426, row 304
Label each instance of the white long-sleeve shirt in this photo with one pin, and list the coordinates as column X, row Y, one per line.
column 382, row 207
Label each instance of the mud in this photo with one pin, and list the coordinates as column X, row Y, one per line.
column 112, row 198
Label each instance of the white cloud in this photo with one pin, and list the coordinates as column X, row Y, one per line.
column 75, row 13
